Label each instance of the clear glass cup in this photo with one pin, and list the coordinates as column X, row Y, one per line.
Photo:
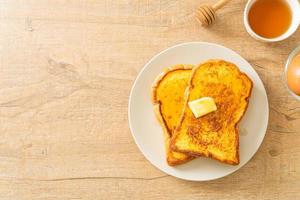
column 295, row 52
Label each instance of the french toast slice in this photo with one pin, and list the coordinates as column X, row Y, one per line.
column 168, row 100
column 214, row 135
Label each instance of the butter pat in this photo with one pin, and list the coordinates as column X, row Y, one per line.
column 202, row 106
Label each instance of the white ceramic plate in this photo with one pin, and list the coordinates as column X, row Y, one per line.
column 148, row 133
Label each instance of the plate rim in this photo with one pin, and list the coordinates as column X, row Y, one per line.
column 146, row 65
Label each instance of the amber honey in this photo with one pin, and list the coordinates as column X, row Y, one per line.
column 270, row 18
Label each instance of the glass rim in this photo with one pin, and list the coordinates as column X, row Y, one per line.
column 288, row 62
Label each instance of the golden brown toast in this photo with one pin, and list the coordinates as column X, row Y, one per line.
column 168, row 99
column 215, row 134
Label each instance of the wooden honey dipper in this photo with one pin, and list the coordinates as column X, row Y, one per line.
column 206, row 14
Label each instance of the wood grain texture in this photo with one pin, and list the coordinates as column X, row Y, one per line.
column 66, row 69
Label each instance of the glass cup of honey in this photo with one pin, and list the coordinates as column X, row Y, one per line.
column 271, row 20
column 292, row 73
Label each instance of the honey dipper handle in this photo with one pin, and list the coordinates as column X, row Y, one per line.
column 220, row 4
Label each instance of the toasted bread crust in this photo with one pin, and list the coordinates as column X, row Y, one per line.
column 187, row 95
column 171, row 160
column 161, row 76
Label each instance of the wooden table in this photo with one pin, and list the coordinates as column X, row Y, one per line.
column 66, row 70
